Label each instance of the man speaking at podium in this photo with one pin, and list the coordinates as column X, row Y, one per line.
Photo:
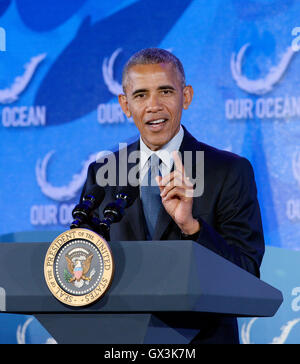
column 225, row 218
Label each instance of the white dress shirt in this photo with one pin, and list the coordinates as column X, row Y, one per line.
column 165, row 154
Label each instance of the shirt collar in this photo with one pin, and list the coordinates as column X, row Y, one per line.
column 165, row 153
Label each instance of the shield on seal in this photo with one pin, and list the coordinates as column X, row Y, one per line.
column 78, row 271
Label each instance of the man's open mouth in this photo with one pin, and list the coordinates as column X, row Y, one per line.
column 156, row 122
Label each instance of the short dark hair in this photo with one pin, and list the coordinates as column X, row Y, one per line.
column 153, row 56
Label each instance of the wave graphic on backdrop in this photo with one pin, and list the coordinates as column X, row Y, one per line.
column 63, row 193
column 108, row 74
column 11, row 94
column 281, row 339
column 263, row 85
column 81, row 60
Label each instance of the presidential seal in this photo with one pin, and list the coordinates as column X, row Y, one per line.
column 78, row 267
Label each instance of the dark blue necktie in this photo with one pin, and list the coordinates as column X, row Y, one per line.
column 150, row 195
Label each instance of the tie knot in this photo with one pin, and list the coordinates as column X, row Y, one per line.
column 154, row 170
column 155, row 161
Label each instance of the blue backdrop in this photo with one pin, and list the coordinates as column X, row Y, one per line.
column 60, row 74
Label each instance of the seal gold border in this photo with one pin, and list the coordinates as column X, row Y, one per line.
column 108, row 272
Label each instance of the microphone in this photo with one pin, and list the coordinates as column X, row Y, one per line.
column 115, row 211
column 90, row 202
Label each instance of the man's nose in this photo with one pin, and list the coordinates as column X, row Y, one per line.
column 154, row 104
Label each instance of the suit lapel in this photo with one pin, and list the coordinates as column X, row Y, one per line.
column 134, row 214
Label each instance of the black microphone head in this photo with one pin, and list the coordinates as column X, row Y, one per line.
column 95, row 195
column 128, row 194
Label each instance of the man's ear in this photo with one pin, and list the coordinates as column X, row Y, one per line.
column 124, row 105
column 188, row 94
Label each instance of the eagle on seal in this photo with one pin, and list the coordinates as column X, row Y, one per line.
column 79, row 269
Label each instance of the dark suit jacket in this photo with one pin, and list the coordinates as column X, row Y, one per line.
column 230, row 220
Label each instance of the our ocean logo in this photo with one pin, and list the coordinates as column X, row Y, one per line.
column 261, row 107
column 111, row 113
column 22, row 116
column 57, row 213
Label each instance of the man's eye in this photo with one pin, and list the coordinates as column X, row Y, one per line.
column 139, row 96
column 166, row 92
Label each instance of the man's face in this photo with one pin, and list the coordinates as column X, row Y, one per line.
column 155, row 99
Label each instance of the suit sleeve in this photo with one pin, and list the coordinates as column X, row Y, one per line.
column 238, row 233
